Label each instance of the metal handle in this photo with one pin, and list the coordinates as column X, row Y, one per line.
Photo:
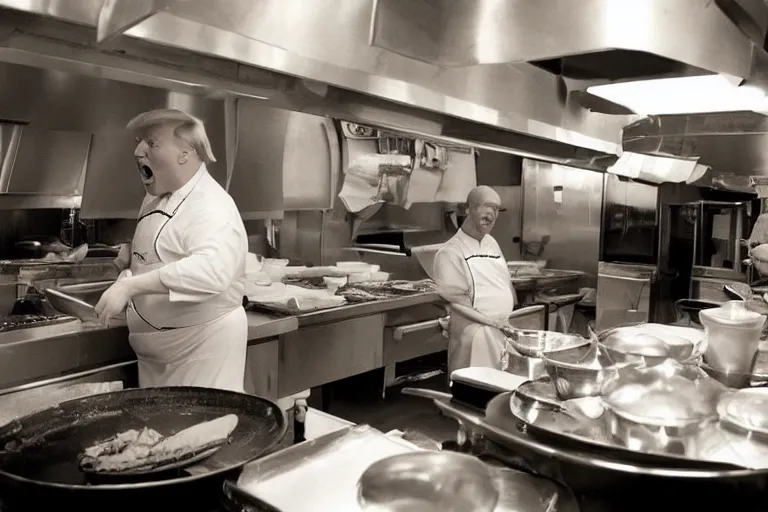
column 332, row 137
column 625, row 278
column 7, row 160
column 373, row 251
column 231, row 136
column 528, row 310
column 65, row 378
column 399, row 332
column 427, row 393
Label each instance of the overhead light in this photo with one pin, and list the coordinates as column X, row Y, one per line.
column 684, row 95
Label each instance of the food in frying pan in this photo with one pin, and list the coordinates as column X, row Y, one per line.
column 147, row 449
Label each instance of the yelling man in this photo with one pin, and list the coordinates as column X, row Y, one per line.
column 184, row 279
column 471, row 274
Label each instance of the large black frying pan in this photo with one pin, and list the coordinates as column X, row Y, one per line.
column 39, row 453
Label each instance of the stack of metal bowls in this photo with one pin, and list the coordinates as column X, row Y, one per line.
column 578, row 379
column 528, row 347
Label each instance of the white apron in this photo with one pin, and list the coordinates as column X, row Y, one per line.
column 473, row 344
column 180, row 344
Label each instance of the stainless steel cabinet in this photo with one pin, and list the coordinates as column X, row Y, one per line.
column 319, row 354
column 623, row 294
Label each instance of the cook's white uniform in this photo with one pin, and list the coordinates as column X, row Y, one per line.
column 195, row 335
column 478, row 270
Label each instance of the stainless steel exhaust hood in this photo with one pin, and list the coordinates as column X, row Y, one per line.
column 733, row 144
column 41, row 168
column 296, row 56
column 588, row 39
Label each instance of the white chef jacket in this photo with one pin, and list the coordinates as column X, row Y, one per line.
column 475, row 270
column 196, row 335
column 759, row 233
column 210, row 230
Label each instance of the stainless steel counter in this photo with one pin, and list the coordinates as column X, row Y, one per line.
column 28, row 355
column 366, row 308
column 548, row 278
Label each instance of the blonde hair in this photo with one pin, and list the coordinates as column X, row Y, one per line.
column 187, row 127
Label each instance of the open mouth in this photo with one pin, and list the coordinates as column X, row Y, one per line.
column 147, row 176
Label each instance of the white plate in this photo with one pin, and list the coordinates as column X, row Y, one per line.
column 488, row 378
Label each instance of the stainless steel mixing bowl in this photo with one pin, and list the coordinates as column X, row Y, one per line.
column 425, row 481
column 576, row 379
column 660, row 408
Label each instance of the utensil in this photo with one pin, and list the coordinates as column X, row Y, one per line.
column 733, row 334
column 738, row 291
column 39, row 460
column 70, row 305
column 426, row 481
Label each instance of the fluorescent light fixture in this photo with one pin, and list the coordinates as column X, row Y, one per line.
column 684, row 95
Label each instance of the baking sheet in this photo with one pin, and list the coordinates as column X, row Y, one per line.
column 320, row 474
column 307, row 300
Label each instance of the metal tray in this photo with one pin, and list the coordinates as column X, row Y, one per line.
column 328, row 454
column 315, row 475
column 563, row 423
column 501, row 426
column 601, row 483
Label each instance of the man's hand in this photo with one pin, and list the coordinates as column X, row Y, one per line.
column 113, row 301
column 507, row 330
column 444, row 323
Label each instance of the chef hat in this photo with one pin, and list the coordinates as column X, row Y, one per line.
column 187, row 127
